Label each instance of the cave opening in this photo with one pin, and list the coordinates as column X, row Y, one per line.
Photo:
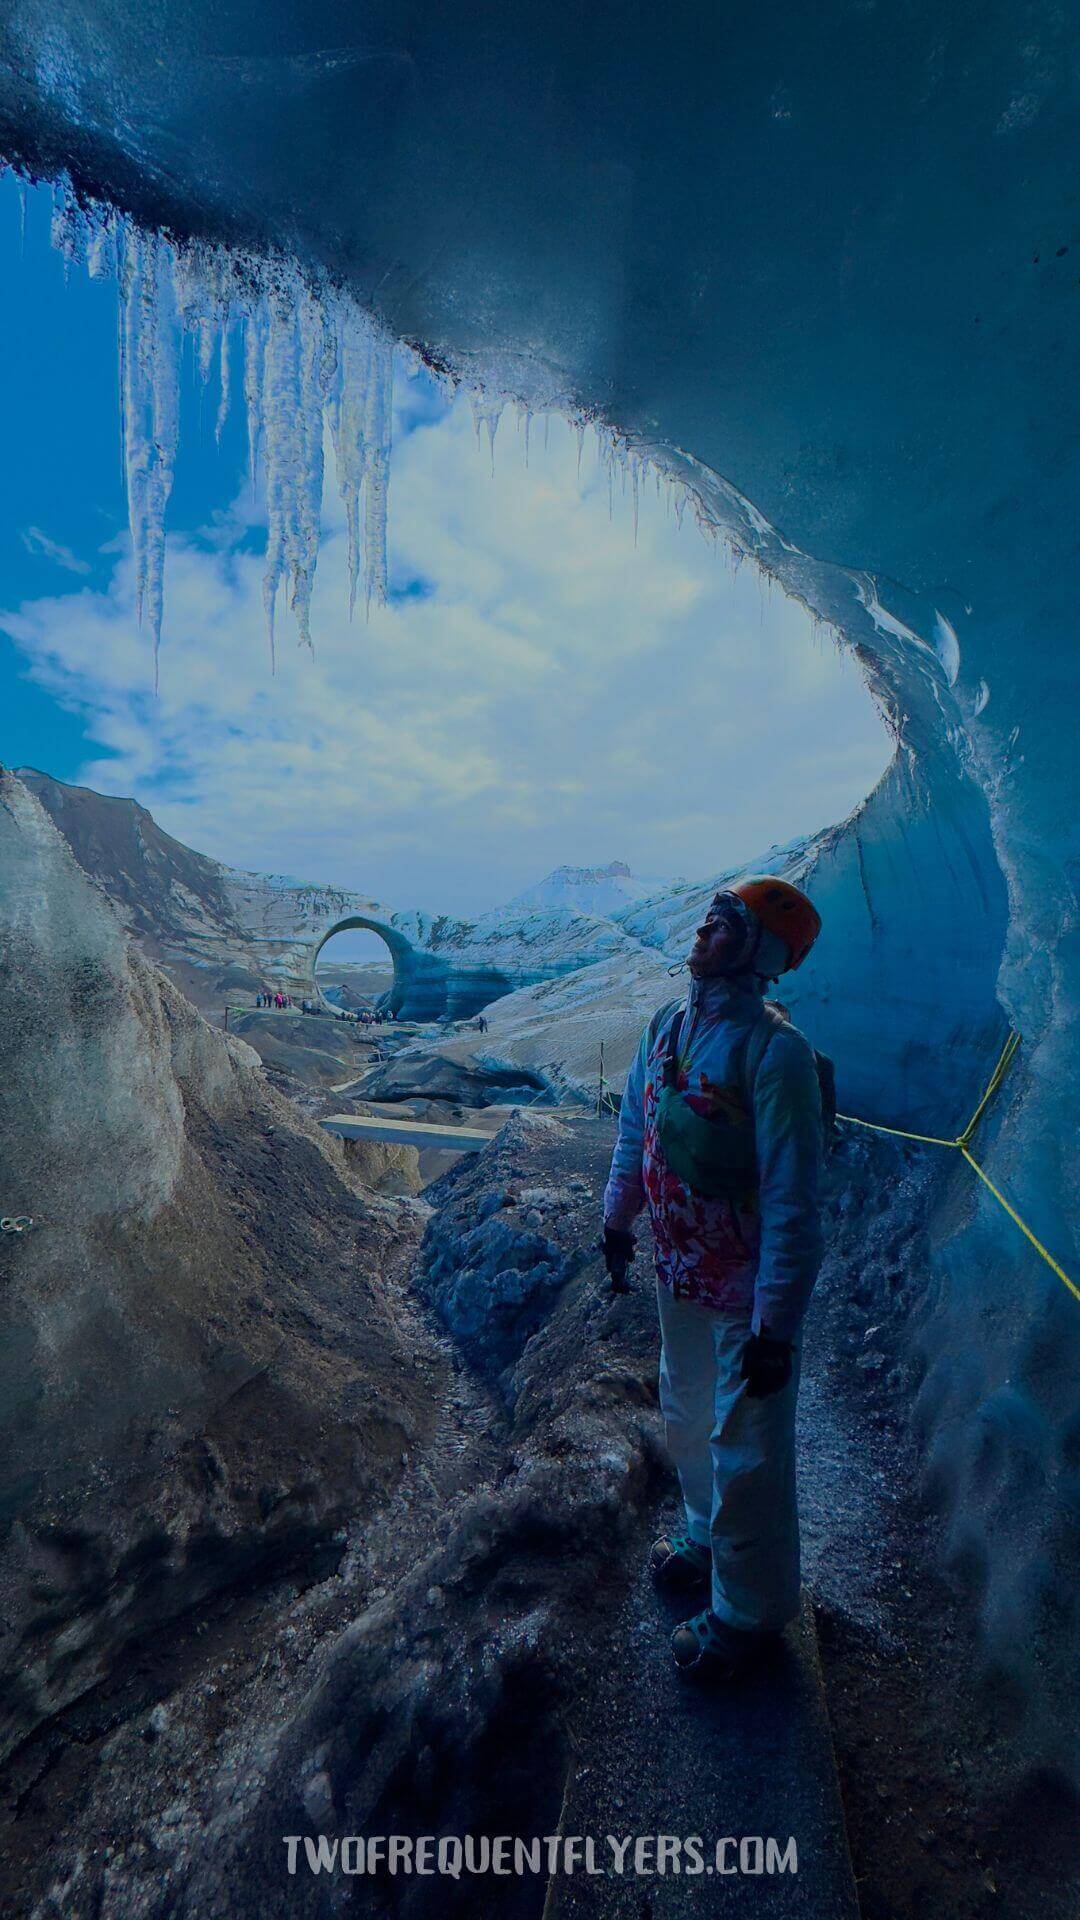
column 563, row 674
column 357, row 968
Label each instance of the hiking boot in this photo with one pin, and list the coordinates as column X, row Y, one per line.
column 704, row 1648
column 679, row 1564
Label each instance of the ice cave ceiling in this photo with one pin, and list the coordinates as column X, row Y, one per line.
column 833, row 252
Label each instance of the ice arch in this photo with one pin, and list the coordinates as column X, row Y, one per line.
column 427, row 986
column 399, row 949
column 827, row 253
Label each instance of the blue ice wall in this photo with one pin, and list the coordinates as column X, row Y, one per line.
column 823, row 260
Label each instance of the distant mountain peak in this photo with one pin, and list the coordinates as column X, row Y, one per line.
column 595, row 890
column 583, row 876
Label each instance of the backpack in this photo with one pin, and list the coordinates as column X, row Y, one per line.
column 717, row 1157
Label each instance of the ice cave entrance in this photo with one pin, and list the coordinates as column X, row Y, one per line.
column 356, row 969
column 564, row 671
column 549, row 669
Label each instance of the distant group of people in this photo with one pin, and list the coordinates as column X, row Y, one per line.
column 364, row 1017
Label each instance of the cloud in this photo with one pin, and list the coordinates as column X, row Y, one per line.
column 543, row 688
column 37, row 542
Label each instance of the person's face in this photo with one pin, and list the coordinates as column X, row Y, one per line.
column 720, row 939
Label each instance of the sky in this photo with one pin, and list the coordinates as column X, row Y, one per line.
column 544, row 687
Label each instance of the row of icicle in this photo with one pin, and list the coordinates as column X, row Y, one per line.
column 309, row 357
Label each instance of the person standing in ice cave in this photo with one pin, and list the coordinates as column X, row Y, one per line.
column 720, row 1135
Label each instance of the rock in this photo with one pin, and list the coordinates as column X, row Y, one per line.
column 384, row 1165
column 491, row 1285
column 164, row 1169
column 423, row 1072
column 318, row 1801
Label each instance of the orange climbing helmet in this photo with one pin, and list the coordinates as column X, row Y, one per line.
column 784, row 910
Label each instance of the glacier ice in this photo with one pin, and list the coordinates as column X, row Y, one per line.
column 948, row 647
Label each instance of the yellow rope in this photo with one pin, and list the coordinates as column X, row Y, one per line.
column 899, row 1133
column 1022, row 1224
column 996, row 1079
column 961, row 1143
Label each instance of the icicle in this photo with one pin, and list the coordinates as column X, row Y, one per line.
column 605, row 446
column 224, row 378
column 204, row 332
column 298, row 368
column 150, row 380
column 579, row 435
column 524, row 414
column 361, row 417
column 123, row 282
column 347, row 420
column 492, row 423
column 254, row 371
column 376, row 495
column 22, row 218
column 134, row 406
column 308, row 355
column 62, row 224
column 486, row 413
column 280, row 397
column 165, row 419
column 99, row 252
column 317, row 359
column 378, row 428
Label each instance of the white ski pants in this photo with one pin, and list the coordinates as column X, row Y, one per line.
column 735, row 1459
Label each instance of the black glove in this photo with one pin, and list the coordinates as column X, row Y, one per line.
column 618, row 1254
column 766, row 1365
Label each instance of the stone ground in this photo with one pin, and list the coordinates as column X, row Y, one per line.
column 447, row 1659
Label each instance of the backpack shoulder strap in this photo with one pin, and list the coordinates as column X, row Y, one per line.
column 758, row 1040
